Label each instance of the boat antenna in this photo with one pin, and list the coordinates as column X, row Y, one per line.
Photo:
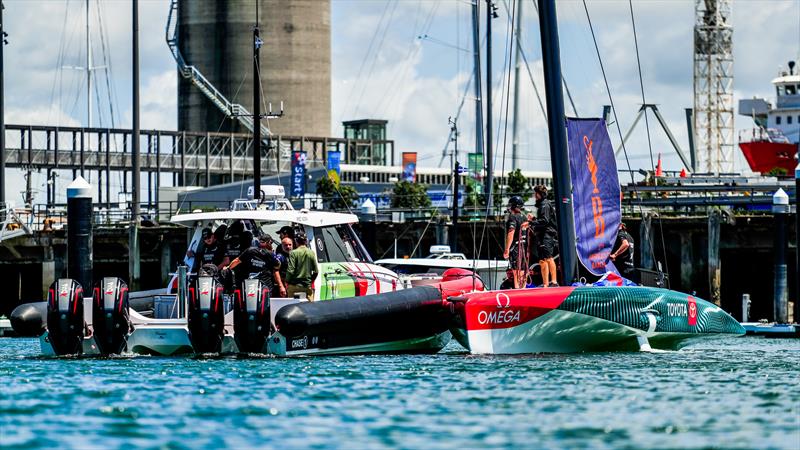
column 556, row 128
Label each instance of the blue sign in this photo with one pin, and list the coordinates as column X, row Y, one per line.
column 595, row 192
column 334, row 162
column 444, row 198
column 298, row 174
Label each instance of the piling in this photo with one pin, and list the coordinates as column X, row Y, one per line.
column 79, row 232
column 780, row 209
column 745, row 307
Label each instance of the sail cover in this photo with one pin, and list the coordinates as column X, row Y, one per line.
column 595, row 192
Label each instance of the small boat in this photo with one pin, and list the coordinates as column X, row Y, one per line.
column 422, row 271
column 351, row 296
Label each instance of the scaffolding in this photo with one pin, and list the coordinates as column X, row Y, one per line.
column 713, row 86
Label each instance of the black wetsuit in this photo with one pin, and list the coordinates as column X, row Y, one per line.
column 514, row 222
column 624, row 261
column 259, row 263
column 209, row 254
column 545, row 229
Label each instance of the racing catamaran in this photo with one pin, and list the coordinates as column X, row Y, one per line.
column 582, row 318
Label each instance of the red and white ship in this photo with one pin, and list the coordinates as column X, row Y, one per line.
column 771, row 147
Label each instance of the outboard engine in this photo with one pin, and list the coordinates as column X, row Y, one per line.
column 251, row 317
column 110, row 319
column 65, row 323
column 206, row 315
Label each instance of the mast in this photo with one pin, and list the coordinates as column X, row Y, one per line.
column 88, row 71
column 476, row 53
column 556, row 128
column 517, row 58
column 135, row 132
column 2, row 113
column 256, row 111
column 490, row 14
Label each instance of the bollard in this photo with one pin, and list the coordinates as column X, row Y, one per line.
column 780, row 209
column 79, row 232
column 745, row 307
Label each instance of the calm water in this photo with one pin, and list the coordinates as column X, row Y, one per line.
column 732, row 393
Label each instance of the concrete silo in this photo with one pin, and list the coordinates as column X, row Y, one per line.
column 216, row 36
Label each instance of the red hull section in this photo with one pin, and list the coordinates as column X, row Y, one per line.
column 776, row 158
column 510, row 308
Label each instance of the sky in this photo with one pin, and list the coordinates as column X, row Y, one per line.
column 409, row 62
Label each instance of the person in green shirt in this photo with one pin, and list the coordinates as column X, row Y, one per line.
column 302, row 268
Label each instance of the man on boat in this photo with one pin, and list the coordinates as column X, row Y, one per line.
column 515, row 230
column 259, row 262
column 545, row 236
column 302, row 269
column 212, row 251
column 282, row 254
column 622, row 255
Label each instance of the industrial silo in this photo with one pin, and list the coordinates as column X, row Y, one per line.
column 216, row 36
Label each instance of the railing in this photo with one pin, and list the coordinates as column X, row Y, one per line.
column 761, row 134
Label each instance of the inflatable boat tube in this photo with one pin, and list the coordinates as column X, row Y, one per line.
column 388, row 317
column 28, row 319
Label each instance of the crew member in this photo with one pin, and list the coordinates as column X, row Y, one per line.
column 259, row 262
column 282, row 253
column 302, row 269
column 212, row 252
column 286, row 231
column 515, row 226
column 622, row 254
column 545, row 236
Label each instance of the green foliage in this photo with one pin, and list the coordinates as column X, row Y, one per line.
column 410, row 195
column 518, row 185
column 335, row 195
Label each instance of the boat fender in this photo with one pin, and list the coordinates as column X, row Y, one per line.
column 28, row 319
column 206, row 315
column 251, row 317
column 65, row 324
column 110, row 315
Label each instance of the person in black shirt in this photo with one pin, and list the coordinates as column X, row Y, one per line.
column 212, row 251
column 515, row 227
column 259, row 262
column 545, row 236
column 622, row 255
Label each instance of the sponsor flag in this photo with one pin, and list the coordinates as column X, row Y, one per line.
column 334, row 165
column 410, row 166
column 595, row 192
column 298, row 174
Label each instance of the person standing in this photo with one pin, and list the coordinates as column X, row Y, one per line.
column 622, row 254
column 545, row 236
column 259, row 262
column 302, row 269
column 282, row 253
column 516, row 225
column 212, row 251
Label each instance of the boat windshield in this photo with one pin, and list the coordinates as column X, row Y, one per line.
column 339, row 243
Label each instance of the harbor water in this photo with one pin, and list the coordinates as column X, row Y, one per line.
column 725, row 393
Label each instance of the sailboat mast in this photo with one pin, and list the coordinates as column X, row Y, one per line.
column 489, row 157
column 556, row 128
column 88, row 71
column 256, row 111
column 476, row 53
column 517, row 64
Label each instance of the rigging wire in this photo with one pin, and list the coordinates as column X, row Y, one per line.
column 611, row 101
column 375, row 56
column 563, row 80
column 649, row 140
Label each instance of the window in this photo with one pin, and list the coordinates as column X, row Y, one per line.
column 788, row 120
column 791, row 89
column 339, row 244
column 777, row 120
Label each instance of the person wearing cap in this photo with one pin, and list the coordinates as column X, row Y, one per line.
column 622, row 254
column 211, row 252
column 302, row 269
column 286, row 231
column 515, row 227
column 259, row 262
column 545, row 235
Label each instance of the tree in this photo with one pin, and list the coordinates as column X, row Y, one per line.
column 335, row 195
column 518, row 185
column 410, row 195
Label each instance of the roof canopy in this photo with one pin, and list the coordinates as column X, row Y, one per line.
column 303, row 217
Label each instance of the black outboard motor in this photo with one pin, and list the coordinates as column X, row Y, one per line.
column 65, row 323
column 206, row 315
column 251, row 318
column 110, row 318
